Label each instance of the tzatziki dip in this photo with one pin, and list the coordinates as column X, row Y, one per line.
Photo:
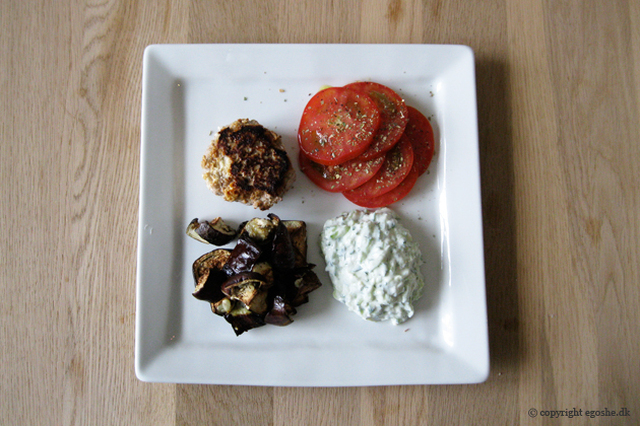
column 373, row 263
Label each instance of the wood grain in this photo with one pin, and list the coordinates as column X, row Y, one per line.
column 558, row 106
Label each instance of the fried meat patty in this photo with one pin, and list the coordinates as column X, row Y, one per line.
column 248, row 163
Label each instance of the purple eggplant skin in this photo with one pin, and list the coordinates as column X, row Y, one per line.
column 298, row 233
column 282, row 254
column 295, row 284
column 208, row 275
column 209, row 287
column 215, row 259
column 281, row 312
column 242, row 319
column 216, row 232
column 305, row 284
column 249, row 288
column 243, row 257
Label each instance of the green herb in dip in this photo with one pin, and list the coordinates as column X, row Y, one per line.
column 374, row 264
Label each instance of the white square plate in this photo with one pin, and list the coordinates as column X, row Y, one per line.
column 188, row 92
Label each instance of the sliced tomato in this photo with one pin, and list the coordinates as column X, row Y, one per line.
column 341, row 177
column 393, row 116
column 388, row 198
column 397, row 165
column 420, row 133
column 337, row 125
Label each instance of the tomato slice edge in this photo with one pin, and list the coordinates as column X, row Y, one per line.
column 388, row 198
column 352, row 173
column 420, row 132
column 397, row 165
column 393, row 116
column 337, row 125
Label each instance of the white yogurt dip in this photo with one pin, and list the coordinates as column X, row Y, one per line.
column 374, row 264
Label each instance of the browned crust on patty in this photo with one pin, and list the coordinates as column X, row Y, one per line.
column 248, row 163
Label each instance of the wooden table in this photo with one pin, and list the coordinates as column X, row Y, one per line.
column 558, row 101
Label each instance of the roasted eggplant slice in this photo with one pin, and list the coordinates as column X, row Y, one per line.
column 216, row 232
column 208, row 286
column 243, row 257
column 282, row 254
column 258, row 229
column 222, row 306
column 242, row 319
column 274, row 218
column 208, row 275
column 245, row 287
column 305, row 282
column 281, row 312
column 214, row 259
column 298, row 233
column 259, row 304
column 266, row 270
column 295, row 284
